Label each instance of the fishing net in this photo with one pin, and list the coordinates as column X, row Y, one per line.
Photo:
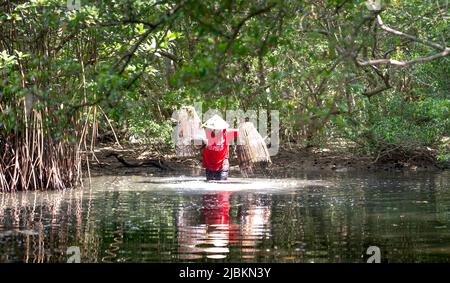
column 188, row 134
column 251, row 149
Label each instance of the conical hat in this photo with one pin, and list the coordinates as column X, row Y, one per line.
column 216, row 123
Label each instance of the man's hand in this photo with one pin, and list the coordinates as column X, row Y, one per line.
column 199, row 143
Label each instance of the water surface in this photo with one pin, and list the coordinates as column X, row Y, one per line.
column 305, row 218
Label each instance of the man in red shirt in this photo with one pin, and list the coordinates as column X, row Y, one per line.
column 215, row 154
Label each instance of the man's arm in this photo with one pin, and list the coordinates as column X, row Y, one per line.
column 199, row 141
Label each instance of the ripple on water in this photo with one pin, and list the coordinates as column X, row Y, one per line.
column 185, row 184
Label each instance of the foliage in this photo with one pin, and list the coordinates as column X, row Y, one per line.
column 331, row 66
column 391, row 121
column 150, row 132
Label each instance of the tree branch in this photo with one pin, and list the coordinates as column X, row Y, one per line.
column 169, row 55
column 127, row 57
column 375, row 62
column 445, row 51
column 377, row 90
column 411, row 37
column 239, row 26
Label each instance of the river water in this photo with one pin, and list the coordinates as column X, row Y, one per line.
column 300, row 218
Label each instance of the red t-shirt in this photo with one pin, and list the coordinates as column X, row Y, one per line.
column 216, row 151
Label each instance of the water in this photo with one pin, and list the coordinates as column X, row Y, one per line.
column 309, row 218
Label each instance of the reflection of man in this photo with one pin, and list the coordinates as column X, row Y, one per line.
column 213, row 226
column 216, row 211
column 214, row 230
column 216, row 208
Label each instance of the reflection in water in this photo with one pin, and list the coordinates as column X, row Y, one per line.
column 212, row 235
column 216, row 213
column 39, row 225
column 216, row 231
column 254, row 217
column 131, row 219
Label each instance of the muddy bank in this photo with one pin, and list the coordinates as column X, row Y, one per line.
column 287, row 159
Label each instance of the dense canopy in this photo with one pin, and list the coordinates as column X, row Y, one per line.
column 371, row 76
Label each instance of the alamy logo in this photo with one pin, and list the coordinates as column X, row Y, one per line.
column 375, row 253
column 373, row 5
column 260, row 119
column 75, row 254
column 73, row 5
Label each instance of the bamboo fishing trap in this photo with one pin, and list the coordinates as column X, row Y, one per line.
column 188, row 133
column 251, row 149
